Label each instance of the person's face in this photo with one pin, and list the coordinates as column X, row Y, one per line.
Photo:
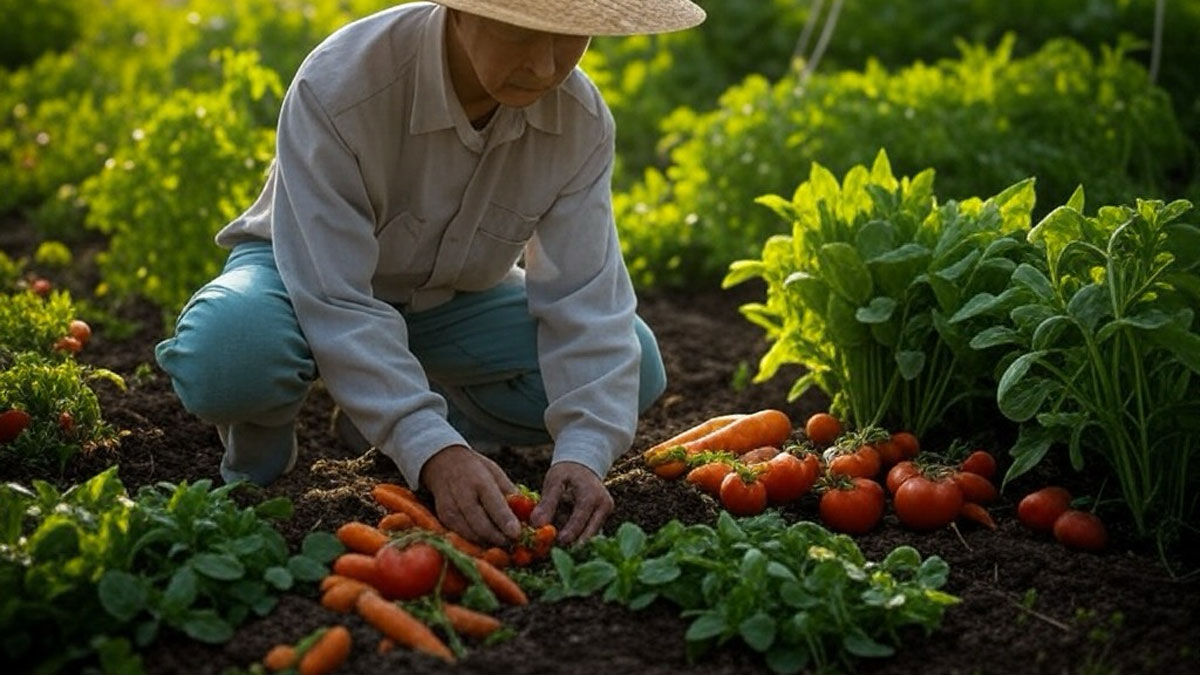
column 517, row 66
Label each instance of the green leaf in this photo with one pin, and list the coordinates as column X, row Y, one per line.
column 246, row 546
column 642, row 600
column 879, row 311
column 122, row 594
column 278, row 577
column 845, row 272
column 875, row 238
column 1089, row 305
column 56, row 539
column 218, row 566
column 933, row 573
column 758, row 631
column 995, row 336
column 207, row 626
column 706, row 626
column 1024, row 399
column 1016, row 372
column 1185, row 345
column 279, row 508
column 631, row 539
column 658, row 571
column 859, row 644
column 304, row 568
column 910, row 363
column 1032, row 444
column 1046, row 335
column 953, row 272
column 743, row 270
column 786, row 659
column 902, row 558
column 1056, row 231
column 981, row 303
column 897, row 268
column 844, row 328
column 593, row 575
column 1032, row 278
column 322, row 547
column 180, row 592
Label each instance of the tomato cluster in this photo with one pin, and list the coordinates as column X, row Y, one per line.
column 534, row 543
column 1049, row 510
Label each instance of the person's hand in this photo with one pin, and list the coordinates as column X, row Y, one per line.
column 468, row 491
column 591, row 501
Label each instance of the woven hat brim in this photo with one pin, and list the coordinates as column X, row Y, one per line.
column 588, row 17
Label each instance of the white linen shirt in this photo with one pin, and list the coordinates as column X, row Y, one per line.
column 383, row 195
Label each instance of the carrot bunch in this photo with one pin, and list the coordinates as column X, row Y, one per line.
column 323, row 651
column 737, row 434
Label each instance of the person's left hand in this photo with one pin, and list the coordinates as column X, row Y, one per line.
column 591, row 501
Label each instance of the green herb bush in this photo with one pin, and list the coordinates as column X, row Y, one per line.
column 861, row 291
column 198, row 161
column 90, row 574
column 1102, row 352
column 984, row 121
column 805, row 598
column 31, row 323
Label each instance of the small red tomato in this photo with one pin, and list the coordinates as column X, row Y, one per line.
column 80, row 331
column 787, row 478
column 453, row 583
column 543, row 540
column 854, row 508
column 822, row 428
column 975, row 488
column 1038, row 510
column 68, row 344
column 522, row 556
column 889, row 453
column 41, row 286
column 900, row 473
column 1080, row 529
column 980, row 463
column 66, row 421
column 522, row 504
column 925, row 504
column 907, row 443
column 743, row 498
column 407, row 573
column 862, row 462
column 12, row 423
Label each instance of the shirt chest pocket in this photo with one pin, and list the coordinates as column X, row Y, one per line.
column 506, row 225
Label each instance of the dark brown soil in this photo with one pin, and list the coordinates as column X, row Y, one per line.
column 1028, row 605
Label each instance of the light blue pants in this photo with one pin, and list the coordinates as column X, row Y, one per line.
column 239, row 360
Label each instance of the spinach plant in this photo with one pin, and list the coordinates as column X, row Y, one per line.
column 799, row 594
column 1104, row 351
column 861, row 291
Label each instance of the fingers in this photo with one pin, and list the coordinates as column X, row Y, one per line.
column 552, row 493
column 498, row 511
column 502, row 480
column 593, row 504
column 471, row 500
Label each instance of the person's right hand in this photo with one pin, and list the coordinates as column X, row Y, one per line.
column 468, row 491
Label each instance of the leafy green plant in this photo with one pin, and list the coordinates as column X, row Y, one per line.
column 31, row 323
column 1104, row 351
column 861, row 291
column 984, row 121
column 86, row 573
column 802, row 596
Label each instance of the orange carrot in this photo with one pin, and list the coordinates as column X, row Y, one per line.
column 281, row 657
column 765, row 427
column 459, row 542
column 332, row 580
column 497, row 557
column 395, row 522
column 975, row 512
column 341, row 598
column 385, row 645
column 470, row 622
column 505, row 588
column 401, row 626
column 329, row 652
column 361, row 538
column 394, row 501
column 357, row 566
column 708, row 477
column 698, row 431
column 670, row 470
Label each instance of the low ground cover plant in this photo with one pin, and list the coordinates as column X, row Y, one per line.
column 91, row 573
column 862, row 289
column 800, row 595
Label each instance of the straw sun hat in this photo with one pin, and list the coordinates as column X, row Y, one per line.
column 588, row 17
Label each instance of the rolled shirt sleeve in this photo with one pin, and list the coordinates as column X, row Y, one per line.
column 581, row 295
column 323, row 236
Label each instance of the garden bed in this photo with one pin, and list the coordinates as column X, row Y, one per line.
column 1028, row 605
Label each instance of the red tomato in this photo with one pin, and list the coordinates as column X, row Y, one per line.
column 1038, row 510
column 981, row 463
column 854, row 509
column 41, row 286
column 863, row 462
column 522, row 504
column 741, row 498
column 975, row 488
column 889, row 453
column 822, row 428
column 1080, row 529
column 543, row 540
column 12, row 423
column 454, row 583
column 900, row 473
column 908, row 444
column 925, row 504
column 522, row 556
column 788, row 477
column 408, row 573
column 80, row 331
column 66, row 421
column 68, row 344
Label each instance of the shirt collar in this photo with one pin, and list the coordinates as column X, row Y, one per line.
column 433, row 108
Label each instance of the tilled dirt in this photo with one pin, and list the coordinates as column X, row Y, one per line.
column 1028, row 605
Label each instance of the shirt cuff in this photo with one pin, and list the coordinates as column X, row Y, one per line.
column 588, row 451
column 424, row 434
